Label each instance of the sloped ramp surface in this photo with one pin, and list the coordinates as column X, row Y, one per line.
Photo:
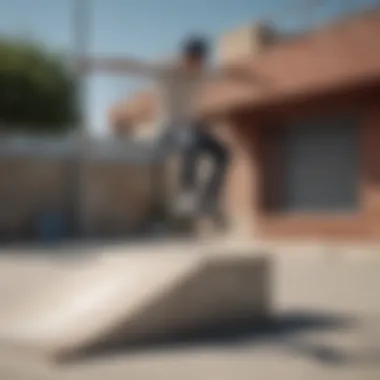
column 130, row 299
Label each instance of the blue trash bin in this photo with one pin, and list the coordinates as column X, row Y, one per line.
column 51, row 227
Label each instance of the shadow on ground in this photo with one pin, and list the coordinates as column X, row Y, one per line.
column 73, row 248
column 286, row 332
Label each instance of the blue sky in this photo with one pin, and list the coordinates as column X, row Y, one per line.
column 148, row 29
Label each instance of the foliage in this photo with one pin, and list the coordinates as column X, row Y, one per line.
column 38, row 91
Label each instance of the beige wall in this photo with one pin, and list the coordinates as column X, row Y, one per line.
column 246, row 41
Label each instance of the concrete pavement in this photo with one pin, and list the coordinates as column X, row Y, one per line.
column 328, row 327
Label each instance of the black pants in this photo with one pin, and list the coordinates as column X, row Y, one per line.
column 205, row 144
column 200, row 144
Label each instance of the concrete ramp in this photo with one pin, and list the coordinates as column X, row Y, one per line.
column 133, row 297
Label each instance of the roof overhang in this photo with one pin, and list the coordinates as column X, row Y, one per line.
column 343, row 56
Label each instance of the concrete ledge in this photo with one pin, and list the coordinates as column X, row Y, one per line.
column 137, row 298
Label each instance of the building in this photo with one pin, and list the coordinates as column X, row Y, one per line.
column 306, row 140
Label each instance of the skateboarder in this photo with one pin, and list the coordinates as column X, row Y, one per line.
column 190, row 133
column 179, row 87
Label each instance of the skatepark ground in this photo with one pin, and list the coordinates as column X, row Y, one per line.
column 326, row 326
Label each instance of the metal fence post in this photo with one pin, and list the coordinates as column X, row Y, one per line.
column 81, row 19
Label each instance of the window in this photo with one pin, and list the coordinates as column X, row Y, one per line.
column 320, row 166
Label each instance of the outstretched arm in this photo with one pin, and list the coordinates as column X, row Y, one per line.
column 120, row 66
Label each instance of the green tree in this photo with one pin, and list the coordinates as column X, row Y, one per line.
column 38, row 91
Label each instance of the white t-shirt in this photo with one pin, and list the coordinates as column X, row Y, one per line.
column 177, row 92
column 177, row 98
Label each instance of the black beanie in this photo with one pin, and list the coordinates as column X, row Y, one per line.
column 196, row 47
